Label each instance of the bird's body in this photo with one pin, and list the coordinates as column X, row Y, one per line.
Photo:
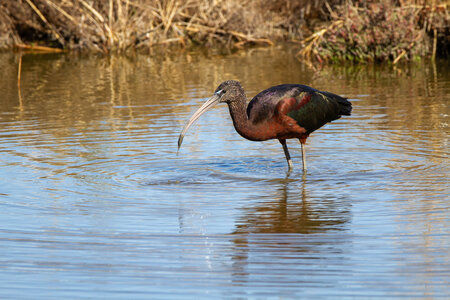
column 281, row 112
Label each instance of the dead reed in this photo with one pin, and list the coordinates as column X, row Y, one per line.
column 335, row 30
column 119, row 25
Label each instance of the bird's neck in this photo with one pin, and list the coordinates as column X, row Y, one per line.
column 238, row 112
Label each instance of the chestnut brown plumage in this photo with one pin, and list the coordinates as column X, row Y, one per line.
column 281, row 112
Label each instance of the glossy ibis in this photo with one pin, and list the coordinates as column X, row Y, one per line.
column 281, row 112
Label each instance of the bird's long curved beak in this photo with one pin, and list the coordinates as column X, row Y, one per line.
column 205, row 107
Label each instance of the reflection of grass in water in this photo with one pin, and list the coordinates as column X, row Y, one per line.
column 412, row 98
column 141, row 100
column 158, row 94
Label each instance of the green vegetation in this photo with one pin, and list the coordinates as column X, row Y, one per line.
column 332, row 30
column 381, row 31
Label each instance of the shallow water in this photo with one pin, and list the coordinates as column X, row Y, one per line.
column 96, row 203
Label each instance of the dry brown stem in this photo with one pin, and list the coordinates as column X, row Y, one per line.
column 41, row 16
column 310, row 41
column 38, row 48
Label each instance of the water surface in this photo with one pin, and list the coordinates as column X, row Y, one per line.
column 96, row 203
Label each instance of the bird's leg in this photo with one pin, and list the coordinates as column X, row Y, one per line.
column 302, row 143
column 303, row 156
column 288, row 156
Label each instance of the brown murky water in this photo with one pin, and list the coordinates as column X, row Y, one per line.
column 95, row 202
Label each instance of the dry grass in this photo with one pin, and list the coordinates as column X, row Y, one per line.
column 388, row 30
column 335, row 30
column 119, row 25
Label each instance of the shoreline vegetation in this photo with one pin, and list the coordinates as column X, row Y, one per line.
column 323, row 30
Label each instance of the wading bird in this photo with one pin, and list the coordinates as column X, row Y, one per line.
column 281, row 112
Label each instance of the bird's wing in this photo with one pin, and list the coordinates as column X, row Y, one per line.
column 264, row 105
column 310, row 108
column 315, row 109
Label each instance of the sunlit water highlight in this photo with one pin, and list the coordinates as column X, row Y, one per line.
column 96, row 203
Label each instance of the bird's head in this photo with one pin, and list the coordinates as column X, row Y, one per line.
column 227, row 92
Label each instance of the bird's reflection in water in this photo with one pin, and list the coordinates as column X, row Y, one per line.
column 294, row 209
column 302, row 223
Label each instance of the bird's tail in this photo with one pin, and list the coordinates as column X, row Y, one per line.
column 345, row 107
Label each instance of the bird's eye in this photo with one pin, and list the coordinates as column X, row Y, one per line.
column 220, row 92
